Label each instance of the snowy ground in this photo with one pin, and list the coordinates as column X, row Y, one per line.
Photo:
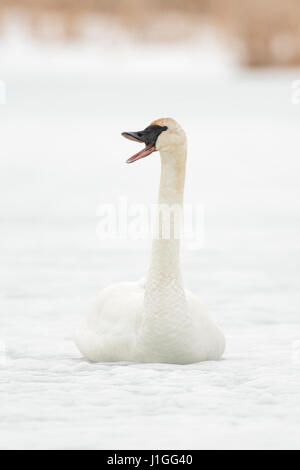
column 61, row 156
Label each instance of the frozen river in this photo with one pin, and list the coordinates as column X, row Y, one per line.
column 62, row 156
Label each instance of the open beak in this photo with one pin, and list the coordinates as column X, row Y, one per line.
column 139, row 137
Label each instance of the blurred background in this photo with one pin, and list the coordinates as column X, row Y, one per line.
column 265, row 33
column 79, row 72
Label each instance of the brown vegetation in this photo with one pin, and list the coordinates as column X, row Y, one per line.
column 267, row 31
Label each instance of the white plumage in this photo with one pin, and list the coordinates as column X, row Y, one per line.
column 154, row 320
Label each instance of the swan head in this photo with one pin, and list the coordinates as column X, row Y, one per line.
column 161, row 135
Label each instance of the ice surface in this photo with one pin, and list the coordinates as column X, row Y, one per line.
column 61, row 156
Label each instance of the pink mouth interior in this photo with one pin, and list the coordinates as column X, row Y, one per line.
column 141, row 154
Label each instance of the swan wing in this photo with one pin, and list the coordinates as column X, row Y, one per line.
column 109, row 332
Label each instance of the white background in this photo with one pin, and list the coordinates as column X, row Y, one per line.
column 61, row 156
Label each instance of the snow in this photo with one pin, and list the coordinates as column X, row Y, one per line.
column 62, row 156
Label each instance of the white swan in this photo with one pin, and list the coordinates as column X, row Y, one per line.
column 155, row 321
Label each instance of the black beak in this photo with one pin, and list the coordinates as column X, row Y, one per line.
column 148, row 136
column 135, row 136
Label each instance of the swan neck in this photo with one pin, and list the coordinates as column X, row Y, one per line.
column 165, row 305
column 164, row 264
column 172, row 179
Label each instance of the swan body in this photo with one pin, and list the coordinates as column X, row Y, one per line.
column 155, row 320
column 110, row 333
